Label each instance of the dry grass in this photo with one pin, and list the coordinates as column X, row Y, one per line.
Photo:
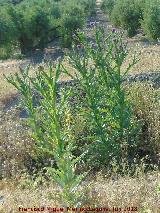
column 149, row 58
column 139, row 192
column 147, row 109
column 123, row 192
column 7, row 91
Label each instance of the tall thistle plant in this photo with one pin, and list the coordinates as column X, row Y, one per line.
column 98, row 72
column 50, row 121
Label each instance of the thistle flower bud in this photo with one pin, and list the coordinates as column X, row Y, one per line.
column 113, row 30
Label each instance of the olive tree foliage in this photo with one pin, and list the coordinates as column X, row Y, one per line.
column 135, row 14
column 33, row 23
column 2, row 2
column 8, row 30
column 74, row 14
column 26, row 24
column 72, row 19
column 127, row 14
column 151, row 19
column 107, row 6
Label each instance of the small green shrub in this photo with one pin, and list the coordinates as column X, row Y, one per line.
column 107, row 6
column 70, row 25
column 151, row 19
column 89, row 6
column 127, row 14
column 73, row 18
column 5, row 52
